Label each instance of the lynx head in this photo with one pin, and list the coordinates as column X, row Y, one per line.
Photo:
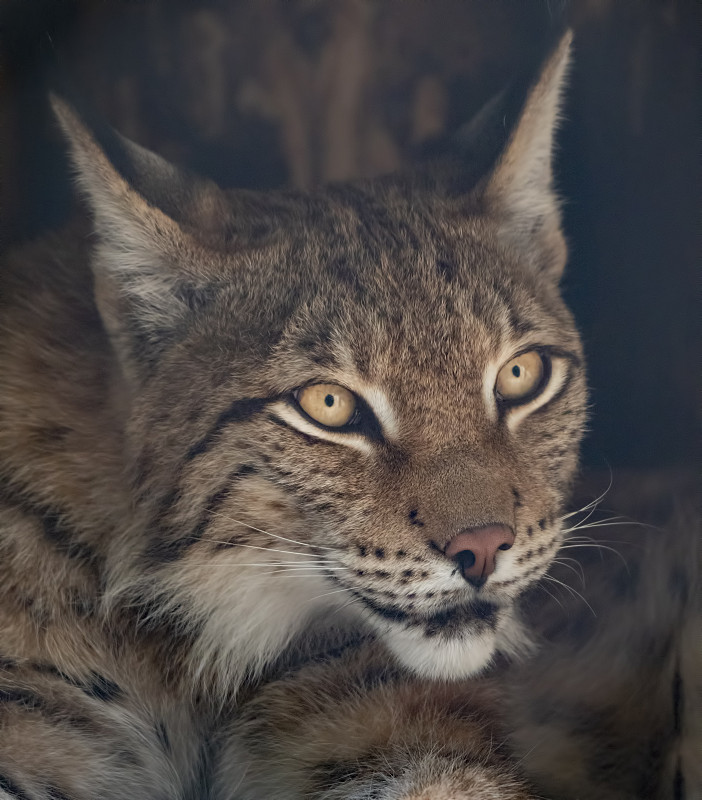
column 369, row 398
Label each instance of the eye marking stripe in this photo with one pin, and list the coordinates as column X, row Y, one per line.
column 293, row 419
column 373, row 397
column 238, row 411
column 561, row 363
column 559, row 376
column 381, row 407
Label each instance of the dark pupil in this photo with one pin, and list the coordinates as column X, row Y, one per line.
column 516, row 371
column 329, row 400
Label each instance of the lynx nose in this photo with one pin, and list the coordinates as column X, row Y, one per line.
column 474, row 550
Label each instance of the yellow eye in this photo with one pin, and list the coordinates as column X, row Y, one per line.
column 521, row 376
column 328, row 404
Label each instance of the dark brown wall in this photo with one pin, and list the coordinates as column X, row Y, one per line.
column 262, row 93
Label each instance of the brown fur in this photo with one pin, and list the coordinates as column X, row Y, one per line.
column 177, row 537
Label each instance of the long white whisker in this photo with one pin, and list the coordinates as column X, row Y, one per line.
column 346, row 605
column 568, row 545
column 579, row 572
column 584, row 524
column 572, row 591
column 552, row 596
column 607, row 524
column 606, row 519
column 260, row 547
column 326, row 594
column 596, row 547
column 593, row 503
column 591, row 541
column 290, row 564
column 268, row 533
column 289, row 568
column 295, row 573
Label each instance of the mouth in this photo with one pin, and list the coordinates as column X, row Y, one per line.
column 453, row 642
column 449, row 621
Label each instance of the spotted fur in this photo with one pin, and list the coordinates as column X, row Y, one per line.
column 176, row 533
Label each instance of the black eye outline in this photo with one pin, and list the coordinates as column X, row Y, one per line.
column 547, row 371
column 362, row 422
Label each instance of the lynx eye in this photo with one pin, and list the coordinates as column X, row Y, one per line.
column 328, row 404
column 521, row 377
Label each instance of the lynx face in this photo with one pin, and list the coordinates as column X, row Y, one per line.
column 362, row 404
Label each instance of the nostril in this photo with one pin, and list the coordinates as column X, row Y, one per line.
column 475, row 550
column 465, row 559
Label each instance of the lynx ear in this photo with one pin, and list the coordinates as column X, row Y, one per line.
column 145, row 213
column 519, row 192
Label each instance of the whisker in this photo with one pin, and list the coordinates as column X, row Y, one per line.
column 268, row 533
column 291, row 573
column 579, row 572
column 290, row 564
column 592, row 542
column 326, row 594
column 288, row 568
column 613, row 517
column 260, row 547
column 346, row 605
column 552, row 596
column 593, row 503
column 609, row 524
column 585, row 545
column 574, row 592
column 585, row 524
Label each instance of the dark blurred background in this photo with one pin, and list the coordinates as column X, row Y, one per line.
column 265, row 93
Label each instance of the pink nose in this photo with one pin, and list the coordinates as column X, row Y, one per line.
column 475, row 549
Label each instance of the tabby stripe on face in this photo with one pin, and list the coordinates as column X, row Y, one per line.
column 215, row 500
column 238, row 411
column 165, row 550
column 518, row 325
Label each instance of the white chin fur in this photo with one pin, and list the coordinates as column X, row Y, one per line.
column 439, row 657
column 455, row 657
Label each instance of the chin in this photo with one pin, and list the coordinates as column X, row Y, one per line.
column 463, row 648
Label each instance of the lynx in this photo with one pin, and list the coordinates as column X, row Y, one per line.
column 276, row 470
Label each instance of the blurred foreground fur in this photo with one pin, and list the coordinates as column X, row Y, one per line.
column 611, row 705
